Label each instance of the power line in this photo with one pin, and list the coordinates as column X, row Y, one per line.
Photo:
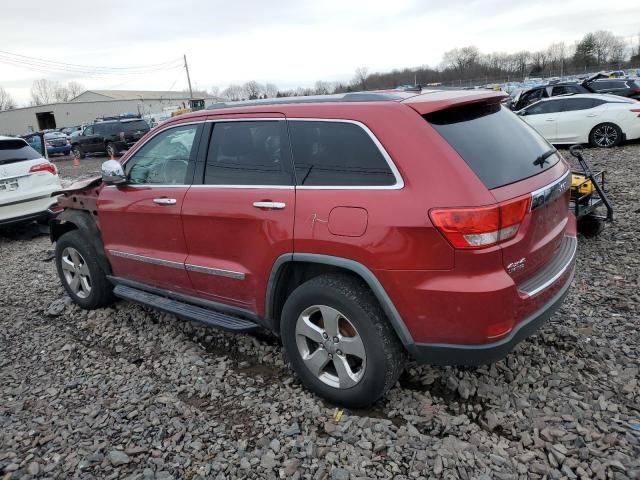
column 51, row 66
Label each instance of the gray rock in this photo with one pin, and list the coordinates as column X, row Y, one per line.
column 117, row 458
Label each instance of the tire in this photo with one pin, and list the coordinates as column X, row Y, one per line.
column 605, row 135
column 76, row 258
column 377, row 358
column 590, row 226
column 112, row 150
column 77, row 152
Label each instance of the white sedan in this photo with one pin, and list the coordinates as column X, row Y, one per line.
column 600, row 120
column 27, row 181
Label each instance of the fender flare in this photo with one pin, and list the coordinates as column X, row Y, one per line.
column 356, row 267
column 72, row 219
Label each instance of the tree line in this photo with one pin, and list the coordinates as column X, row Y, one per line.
column 599, row 50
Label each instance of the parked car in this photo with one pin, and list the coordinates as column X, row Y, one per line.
column 57, row 142
column 597, row 83
column 361, row 228
column 27, row 181
column 617, row 86
column 109, row 137
column 522, row 98
column 600, row 120
column 69, row 130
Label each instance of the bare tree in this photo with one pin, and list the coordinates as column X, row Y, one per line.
column 270, row 90
column 233, row 93
column 6, row 100
column 323, row 88
column 75, row 89
column 522, row 61
column 461, row 59
column 214, row 91
column 253, row 89
column 61, row 93
column 360, row 78
column 43, row 91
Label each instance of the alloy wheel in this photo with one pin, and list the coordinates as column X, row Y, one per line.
column 76, row 272
column 330, row 346
column 605, row 136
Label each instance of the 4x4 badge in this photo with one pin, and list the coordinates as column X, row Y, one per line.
column 516, row 266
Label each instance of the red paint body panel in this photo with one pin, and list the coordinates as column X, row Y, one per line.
column 225, row 231
column 132, row 223
column 443, row 295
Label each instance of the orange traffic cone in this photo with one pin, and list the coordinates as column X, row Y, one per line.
column 76, row 162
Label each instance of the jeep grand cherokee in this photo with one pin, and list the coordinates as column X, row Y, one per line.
column 361, row 228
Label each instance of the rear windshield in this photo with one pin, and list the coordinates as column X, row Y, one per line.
column 134, row 126
column 12, row 151
column 498, row 146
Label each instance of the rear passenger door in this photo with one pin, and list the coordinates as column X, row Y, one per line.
column 577, row 118
column 238, row 219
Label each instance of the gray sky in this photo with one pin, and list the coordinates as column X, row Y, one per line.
column 287, row 42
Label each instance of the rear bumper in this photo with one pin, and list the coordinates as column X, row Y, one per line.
column 29, row 209
column 63, row 149
column 450, row 354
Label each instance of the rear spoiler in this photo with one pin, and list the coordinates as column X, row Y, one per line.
column 434, row 101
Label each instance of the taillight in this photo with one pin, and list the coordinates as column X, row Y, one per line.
column 636, row 110
column 44, row 167
column 481, row 227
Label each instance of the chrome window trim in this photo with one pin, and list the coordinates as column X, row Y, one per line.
column 392, row 166
column 145, row 259
column 550, row 192
column 214, row 271
column 396, row 173
column 137, row 146
column 179, row 265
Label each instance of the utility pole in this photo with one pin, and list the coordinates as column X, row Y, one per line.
column 186, row 67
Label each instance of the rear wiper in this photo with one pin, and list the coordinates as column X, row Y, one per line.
column 542, row 159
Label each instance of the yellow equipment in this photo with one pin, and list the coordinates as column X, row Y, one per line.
column 581, row 185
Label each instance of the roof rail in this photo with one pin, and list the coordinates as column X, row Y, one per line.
column 338, row 97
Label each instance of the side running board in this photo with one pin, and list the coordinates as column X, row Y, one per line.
column 185, row 310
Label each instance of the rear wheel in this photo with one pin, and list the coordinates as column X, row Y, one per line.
column 605, row 135
column 339, row 341
column 590, row 226
column 79, row 272
column 77, row 152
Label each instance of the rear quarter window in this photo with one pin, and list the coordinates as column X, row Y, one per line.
column 498, row 146
column 134, row 126
column 337, row 154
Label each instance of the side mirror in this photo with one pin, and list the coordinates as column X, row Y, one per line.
column 113, row 173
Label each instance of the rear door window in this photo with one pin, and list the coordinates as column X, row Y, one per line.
column 573, row 104
column 337, row 154
column 248, row 153
column 498, row 146
column 134, row 126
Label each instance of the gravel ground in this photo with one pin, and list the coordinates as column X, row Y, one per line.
column 126, row 392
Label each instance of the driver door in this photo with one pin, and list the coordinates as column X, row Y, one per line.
column 141, row 220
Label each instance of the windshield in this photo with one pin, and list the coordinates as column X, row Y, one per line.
column 16, row 151
column 498, row 146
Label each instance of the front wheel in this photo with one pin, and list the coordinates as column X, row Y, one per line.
column 79, row 272
column 77, row 152
column 339, row 341
column 605, row 135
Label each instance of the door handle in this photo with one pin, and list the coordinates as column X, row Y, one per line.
column 591, row 115
column 551, row 120
column 271, row 205
column 164, row 201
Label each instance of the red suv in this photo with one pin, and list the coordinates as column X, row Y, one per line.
column 361, row 228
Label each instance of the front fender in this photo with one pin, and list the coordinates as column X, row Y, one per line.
column 85, row 223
